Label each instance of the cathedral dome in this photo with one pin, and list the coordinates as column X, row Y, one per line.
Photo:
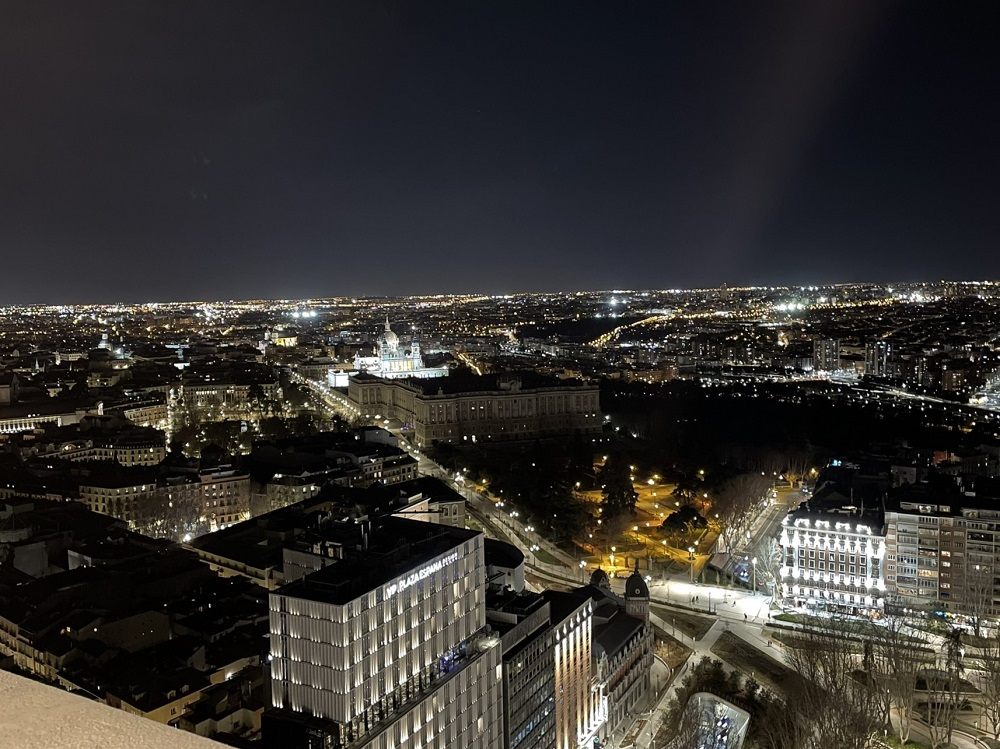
column 388, row 339
column 599, row 578
column 635, row 586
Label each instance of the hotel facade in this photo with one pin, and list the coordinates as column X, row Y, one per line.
column 388, row 654
column 833, row 561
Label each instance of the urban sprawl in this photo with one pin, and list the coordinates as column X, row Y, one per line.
column 762, row 517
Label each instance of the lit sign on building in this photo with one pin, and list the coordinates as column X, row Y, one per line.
column 419, row 575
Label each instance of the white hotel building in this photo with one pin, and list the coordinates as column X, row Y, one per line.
column 388, row 647
column 833, row 560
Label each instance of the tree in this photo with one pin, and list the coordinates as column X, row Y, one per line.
column 687, row 488
column 896, row 661
column 619, row 493
column 255, row 398
column 700, row 727
column 978, row 595
column 737, row 503
column 796, row 465
column 943, row 692
column 989, row 681
column 707, row 675
column 842, row 703
column 581, row 460
column 684, row 520
column 781, row 724
column 769, row 563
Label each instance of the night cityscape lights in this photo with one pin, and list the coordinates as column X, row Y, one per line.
column 392, row 375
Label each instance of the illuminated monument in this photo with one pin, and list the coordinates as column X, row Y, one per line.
column 393, row 362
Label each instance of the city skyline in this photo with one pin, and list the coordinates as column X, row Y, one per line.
column 504, row 375
column 381, row 149
column 508, row 522
column 890, row 286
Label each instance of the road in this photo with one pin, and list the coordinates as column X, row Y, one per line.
column 739, row 610
column 764, row 530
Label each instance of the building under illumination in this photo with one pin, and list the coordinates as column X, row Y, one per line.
column 523, row 621
column 943, row 548
column 581, row 707
column 387, row 647
column 826, row 355
column 878, row 358
column 833, row 558
column 622, row 647
column 522, row 405
column 392, row 361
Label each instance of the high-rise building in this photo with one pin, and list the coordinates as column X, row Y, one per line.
column 581, row 707
column 877, row 358
column 826, row 355
column 388, row 646
column 523, row 621
column 943, row 548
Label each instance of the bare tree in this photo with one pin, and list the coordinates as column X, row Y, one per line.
column 782, row 724
column 796, row 465
column 989, row 680
column 943, row 692
column 895, row 663
column 768, row 462
column 978, row 595
column 699, row 728
column 842, row 703
column 769, row 562
column 737, row 504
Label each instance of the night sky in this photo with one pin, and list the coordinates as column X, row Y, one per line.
column 209, row 149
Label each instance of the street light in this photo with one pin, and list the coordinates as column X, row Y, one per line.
column 691, row 559
column 754, row 564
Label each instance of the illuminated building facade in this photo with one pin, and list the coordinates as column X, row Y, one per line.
column 943, row 548
column 522, row 619
column 486, row 407
column 392, row 361
column 826, row 355
column 581, row 707
column 388, row 648
column 878, row 358
column 833, row 560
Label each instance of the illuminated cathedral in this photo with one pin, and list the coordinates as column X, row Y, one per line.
column 391, row 361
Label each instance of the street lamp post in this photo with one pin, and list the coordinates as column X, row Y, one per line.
column 753, row 563
column 691, row 559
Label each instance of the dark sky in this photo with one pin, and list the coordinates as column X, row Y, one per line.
column 210, row 149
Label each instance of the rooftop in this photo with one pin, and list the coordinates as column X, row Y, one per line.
column 38, row 716
column 615, row 634
column 328, row 516
column 395, row 546
column 460, row 382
